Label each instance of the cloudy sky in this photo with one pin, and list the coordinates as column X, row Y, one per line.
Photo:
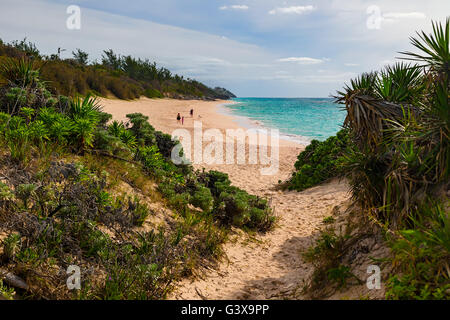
column 255, row 48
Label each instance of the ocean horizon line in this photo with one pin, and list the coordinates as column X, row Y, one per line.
column 298, row 119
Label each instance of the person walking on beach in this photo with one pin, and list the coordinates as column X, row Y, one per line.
column 178, row 118
column 192, row 113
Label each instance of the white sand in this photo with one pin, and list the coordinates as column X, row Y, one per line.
column 261, row 266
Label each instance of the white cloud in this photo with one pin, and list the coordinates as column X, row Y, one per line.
column 303, row 60
column 339, row 32
column 292, row 10
column 173, row 47
column 401, row 15
column 234, row 7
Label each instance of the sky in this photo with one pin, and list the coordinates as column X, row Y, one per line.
column 255, row 48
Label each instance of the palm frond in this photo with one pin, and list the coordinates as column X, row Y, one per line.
column 435, row 52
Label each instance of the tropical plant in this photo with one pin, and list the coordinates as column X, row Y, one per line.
column 116, row 128
column 20, row 73
column 319, row 161
column 398, row 120
column 81, row 57
column 84, row 113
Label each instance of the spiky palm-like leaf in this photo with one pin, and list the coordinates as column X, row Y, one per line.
column 83, row 132
column 362, row 85
column 129, row 139
column 21, row 73
column 399, row 123
column 400, row 83
column 435, row 48
column 116, row 128
column 85, row 108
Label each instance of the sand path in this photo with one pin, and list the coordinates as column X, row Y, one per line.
column 257, row 266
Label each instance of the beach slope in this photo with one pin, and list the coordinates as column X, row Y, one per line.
column 267, row 266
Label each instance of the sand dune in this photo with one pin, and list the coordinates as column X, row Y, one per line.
column 261, row 266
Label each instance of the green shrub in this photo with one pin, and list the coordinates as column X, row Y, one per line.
column 165, row 144
column 153, row 93
column 111, row 144
column 6, row 292
column 144, row 132
column 203, row 199
column 139, row 211
column 421, row 255
column 11, row 245
column 319, row 162
column 6, row 194
column 235, row 206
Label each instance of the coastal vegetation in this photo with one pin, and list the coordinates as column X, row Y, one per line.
column 79, row 189
column 396, row 160
column 320, row 161
column 124, row 77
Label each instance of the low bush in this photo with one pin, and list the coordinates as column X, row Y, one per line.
column 319, row 162
column 58, row 209
column 422, row 255
column 153, row 93
column 122, row 76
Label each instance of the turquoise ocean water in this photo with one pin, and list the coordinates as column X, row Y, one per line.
column 299, row 119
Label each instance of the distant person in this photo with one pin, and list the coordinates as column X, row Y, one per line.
column 182, row 120
column 178, row 118
column 192, row 113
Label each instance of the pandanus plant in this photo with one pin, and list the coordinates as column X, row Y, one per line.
column 399, row 123
column 20, row 73
column 84, row 113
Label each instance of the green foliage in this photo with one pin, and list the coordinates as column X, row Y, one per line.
column 28, row 48
column 153, row 93
column 166, row 144
column 19, row 73
column 400, row 83
column 140, row 211
column 328, row 220
column 24, row 192
column 235, row 206
column 434, row 48
column 123, row 76
column 398, row 124
column 6, row 193
column 22, row 87
column 11, row 245
column 144, row 132
column 339, row 275
column 203, row 199
column 65, row 223
column 5, row 292
column 147, row 135
column 57, row 212
column 80, row 57
column 319, row 161
column 422, row 254
column 85, row 116
column 152, row 159
column 325, row 255
column 397, row 163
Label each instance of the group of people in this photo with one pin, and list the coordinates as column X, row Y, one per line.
column 181, row 118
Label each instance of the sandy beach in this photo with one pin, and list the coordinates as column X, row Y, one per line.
column 266, row 266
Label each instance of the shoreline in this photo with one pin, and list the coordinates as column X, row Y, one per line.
column 162, row 116
column 249, row 123
column 259, row 266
